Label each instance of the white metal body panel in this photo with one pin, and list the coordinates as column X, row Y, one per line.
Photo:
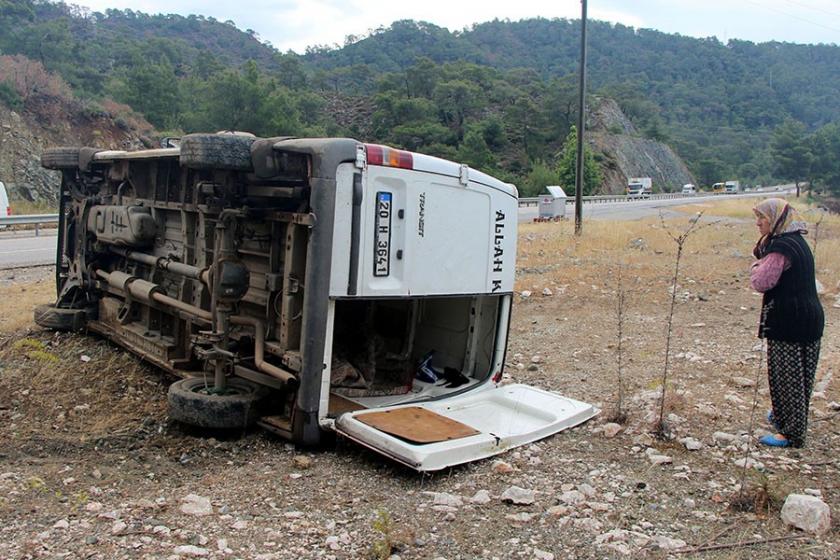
column 4, row 201
column 438, row 166
column 443, row 237
column 506, row 417
column 342, row 232
column 114, row 155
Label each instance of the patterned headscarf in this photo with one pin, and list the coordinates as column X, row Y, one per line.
column 783, row 219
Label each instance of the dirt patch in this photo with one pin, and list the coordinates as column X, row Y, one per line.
column 21, row 289
column 91, row 467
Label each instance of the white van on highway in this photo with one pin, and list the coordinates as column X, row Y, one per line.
column 689, row 189
column 5, row 208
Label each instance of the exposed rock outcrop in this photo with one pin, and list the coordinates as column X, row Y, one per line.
column 627, row 154
column 50, row 122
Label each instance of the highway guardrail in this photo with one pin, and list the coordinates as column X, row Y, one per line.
column 36, row 219
column 534, row 200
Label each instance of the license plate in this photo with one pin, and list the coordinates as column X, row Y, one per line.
column 382, row 240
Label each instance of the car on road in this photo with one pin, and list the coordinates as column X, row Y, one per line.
column 5, row 208
column 689, row 189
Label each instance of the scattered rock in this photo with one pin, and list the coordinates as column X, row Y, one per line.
column 722, row 438
column 480, row 498
column 572, row 497
column 302, row 462
column 193, row 504
column 501, row 467
column 691, row 443
column 542, row 555
column 191, row 550
column 743, row 381
column 525, row 294
column 645, row 440
column 667, row 543
column 808, row 513
column 749, row 462
column 93, row 507
column 61, row 524
column 445, row 499
column 611, row 430
column 518, row 496
column 521, row 517
column 587, row 490
column 660, row 459
column 547, row 292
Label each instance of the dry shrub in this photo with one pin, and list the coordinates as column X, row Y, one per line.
column 30, row 79
column 121, row 112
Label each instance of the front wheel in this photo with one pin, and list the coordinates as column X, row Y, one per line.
column 217, row 151
column 196, row 402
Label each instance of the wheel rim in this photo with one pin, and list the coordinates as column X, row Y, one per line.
column 231, row 389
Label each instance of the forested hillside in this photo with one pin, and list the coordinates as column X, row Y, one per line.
column 500, row 96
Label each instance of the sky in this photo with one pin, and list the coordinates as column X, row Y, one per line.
column 297, row 24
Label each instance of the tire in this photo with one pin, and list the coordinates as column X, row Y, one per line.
column 190, row 404
column 60, row 158
column 217, row 151
column 51, row 317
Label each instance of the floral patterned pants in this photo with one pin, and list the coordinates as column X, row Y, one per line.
column 791, row 368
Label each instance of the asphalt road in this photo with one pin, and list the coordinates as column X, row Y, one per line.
column 638, row 209
column 22, row 248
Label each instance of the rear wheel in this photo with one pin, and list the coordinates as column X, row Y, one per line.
column 56, row 318
column 217, row 151
column 196, row 402
column 60, row 158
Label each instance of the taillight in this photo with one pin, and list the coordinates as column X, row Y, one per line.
column 388, row 157
column 8, row 210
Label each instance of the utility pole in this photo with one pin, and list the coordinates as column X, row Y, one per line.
column 581, row 121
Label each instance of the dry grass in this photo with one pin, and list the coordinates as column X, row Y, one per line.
column 22, row 207
column 83, row 385
column 557, row 257
column 18, row 302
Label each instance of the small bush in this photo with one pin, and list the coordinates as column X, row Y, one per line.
column 9, row 96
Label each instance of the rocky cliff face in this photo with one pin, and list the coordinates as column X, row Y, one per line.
column 627, row 154
column 45, row 123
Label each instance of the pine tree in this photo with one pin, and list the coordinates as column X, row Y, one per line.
column 566, row 167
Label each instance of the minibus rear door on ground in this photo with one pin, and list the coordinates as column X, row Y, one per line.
column 433, row 435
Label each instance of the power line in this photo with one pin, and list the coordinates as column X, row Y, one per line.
column 806, row 6
column 786, row 14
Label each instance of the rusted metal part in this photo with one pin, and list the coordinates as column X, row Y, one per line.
column 259, row 349
column 302, row 219
column 147, row 292
column 164, row 263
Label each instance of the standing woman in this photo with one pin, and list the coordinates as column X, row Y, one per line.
column 792, row 318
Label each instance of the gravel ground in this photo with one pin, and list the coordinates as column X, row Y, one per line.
column 91, row 467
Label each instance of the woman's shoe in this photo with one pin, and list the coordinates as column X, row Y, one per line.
column 777, row 440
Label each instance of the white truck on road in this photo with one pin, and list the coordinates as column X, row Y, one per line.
column 639, row 187
column 732, row 187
